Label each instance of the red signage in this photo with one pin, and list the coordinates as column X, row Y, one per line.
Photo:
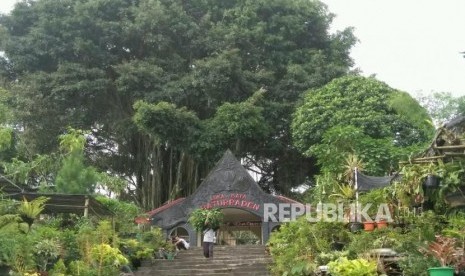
column 244, row 223
column 231, row 200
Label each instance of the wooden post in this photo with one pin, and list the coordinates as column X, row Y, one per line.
column 86, row 207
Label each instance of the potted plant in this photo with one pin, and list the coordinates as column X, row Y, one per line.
column 431, row 179
column 449, row 255
column 355, row 226
column 452, row 184
column 381, row 224
column 375, row 198
column 369, row 225
column 135, row 251
column 169, row 250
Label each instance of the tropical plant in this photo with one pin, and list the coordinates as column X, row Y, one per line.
column 30, row 210
column 202, row 219
column 356, row 267
column 107, row 260
column 451, row 178
column 374, row 197
column 344, row 192
column 409, row 190
column 81, row 268
column 325, row 184
column 7, row 214
column 59, row 269
column 296, row 246
column 352, row 163
column 126, row 212
column 446, row 251
column 154, row 238
column 135, row 251
column 46, row 252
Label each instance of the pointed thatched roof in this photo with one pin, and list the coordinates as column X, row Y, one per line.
column 228, row 185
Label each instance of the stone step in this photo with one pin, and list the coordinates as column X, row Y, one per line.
column 200, row 262
column 205, row 272
column 174, row 272
column 211, row 264
column 185, row 254
column 251, row 250
column 242, row 252
column 203, row 260
column 228, row 260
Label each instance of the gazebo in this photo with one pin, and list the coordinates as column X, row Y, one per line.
column 83, row 205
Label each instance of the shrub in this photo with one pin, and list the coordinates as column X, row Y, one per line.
column 297, row 246
column 357, row 267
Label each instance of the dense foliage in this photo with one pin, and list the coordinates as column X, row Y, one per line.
column 66, row 244
column 300, row 247
column 113, row 67
column 202, row 219
column 379, row 111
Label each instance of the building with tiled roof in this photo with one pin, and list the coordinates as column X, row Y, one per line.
column 229, row 186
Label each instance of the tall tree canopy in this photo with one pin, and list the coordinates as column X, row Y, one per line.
column 442, row 106
column 85, row 63
column 354, row 114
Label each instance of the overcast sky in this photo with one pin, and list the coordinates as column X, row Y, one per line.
column 412, row 45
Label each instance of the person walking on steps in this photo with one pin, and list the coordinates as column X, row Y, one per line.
column 209, row 239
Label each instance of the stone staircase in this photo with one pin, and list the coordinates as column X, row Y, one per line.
column 243, row 260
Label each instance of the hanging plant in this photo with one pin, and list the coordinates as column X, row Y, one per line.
column 202, row 219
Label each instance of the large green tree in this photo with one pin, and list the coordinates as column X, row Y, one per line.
column 84, row 63
column 363, row 116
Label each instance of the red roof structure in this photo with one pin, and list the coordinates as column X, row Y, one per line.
column 146, row 220
column 165, row 206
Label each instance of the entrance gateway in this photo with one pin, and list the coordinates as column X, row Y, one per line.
column 229, row 187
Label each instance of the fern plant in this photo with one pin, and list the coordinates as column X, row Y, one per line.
column 30, row 210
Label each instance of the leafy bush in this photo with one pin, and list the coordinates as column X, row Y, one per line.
column 296, row 247
column 126, row 212
column 59, row 269
column 46, row 252
column 357, row 267
column 154, row 238
column 135, row 251
column 107, row 260
column 81, row 268
column 202, row 219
